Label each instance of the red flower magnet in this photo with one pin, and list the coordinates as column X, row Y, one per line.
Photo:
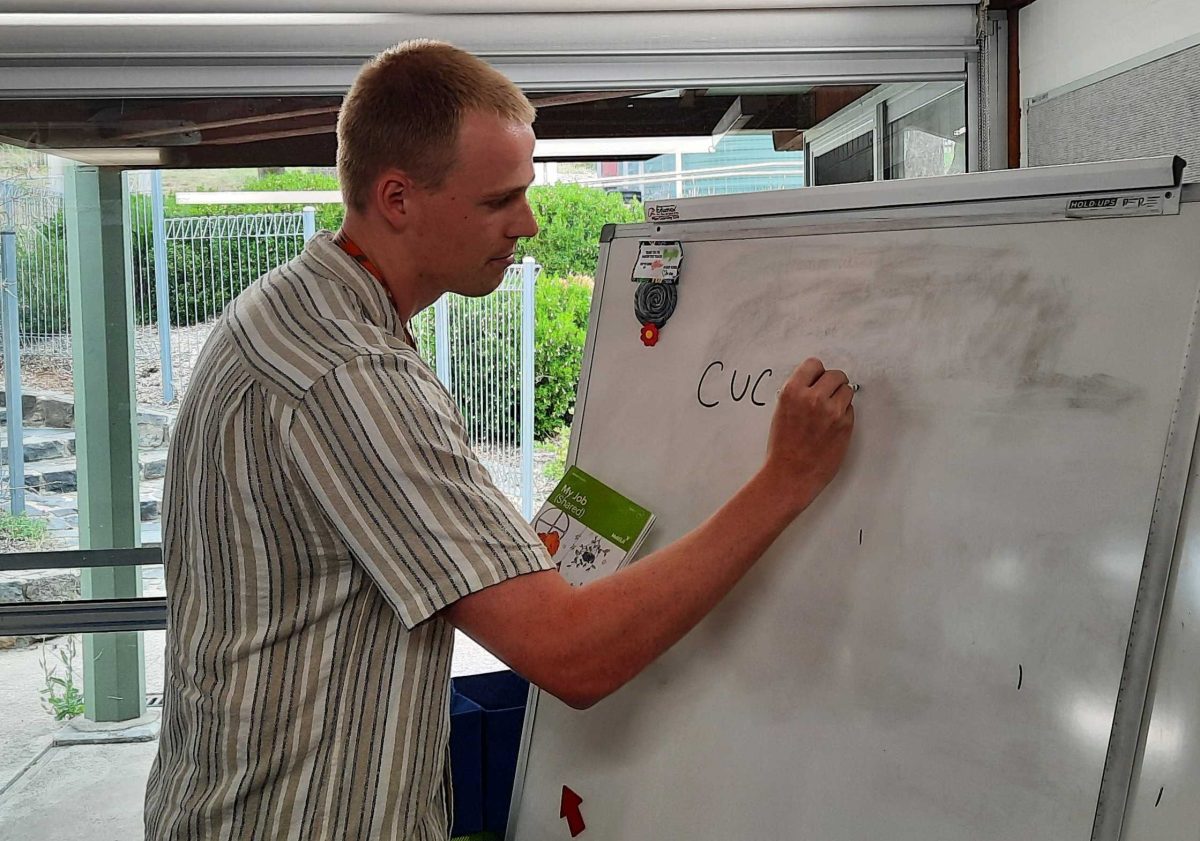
column 649, row 335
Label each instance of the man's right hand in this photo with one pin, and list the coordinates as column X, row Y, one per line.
column 810, row 432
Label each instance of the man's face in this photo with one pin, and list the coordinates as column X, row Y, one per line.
column 468, row 227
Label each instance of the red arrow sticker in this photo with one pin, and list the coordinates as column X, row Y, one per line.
column 570, row 811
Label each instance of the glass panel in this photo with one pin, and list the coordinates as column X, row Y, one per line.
column 53, row 790
column 27, row 720
column 198, row 256
column 740, row 163
column 932, row 140
column 850, row 163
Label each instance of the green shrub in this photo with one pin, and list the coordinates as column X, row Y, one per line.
column 198, row 293
column 480, row 341
column 561, row 321
column 570, row 218
column 486, row 366
column 43, row 278
column 560, row 326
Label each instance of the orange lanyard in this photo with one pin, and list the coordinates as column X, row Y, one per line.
column 351, row 247
column 342, row 241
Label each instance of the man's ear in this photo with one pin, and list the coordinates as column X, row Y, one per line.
column 392, row 198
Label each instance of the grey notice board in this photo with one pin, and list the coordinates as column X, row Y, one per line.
column 965, row 636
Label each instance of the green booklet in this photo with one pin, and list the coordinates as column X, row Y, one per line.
column 589, row 529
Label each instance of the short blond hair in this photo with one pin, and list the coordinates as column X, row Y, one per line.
column 404, row 111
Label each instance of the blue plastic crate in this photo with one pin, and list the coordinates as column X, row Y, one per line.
column 501, row 696
column 466, row 764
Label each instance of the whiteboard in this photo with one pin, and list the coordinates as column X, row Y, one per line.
column 934, row 649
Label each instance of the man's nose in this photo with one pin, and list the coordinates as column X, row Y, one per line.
column 526, row 224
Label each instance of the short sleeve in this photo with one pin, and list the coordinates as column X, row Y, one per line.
column 384, row 452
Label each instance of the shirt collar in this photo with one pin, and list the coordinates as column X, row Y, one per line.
column 372, row 292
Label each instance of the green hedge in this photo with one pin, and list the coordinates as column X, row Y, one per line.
column 196, row 296
column 570, row 218
column 44, row 308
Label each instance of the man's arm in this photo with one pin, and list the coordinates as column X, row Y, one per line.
column 580, row 644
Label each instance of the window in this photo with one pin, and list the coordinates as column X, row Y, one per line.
column 849, row 163
column 932, row 140
column 913, row 130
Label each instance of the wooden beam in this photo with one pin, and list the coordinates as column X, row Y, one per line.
column 279, row 134
column 787, row 141
column 181, row 127
column 633, row 117
column 310, row 150
column 827, row 101
column 1014, row 89
column 553, row 99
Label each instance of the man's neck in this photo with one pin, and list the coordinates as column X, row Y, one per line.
column 398, row 274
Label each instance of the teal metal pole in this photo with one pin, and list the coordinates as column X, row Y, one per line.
column 10, row 316
column 105, row 429
column 529, row 273
column 158, row 228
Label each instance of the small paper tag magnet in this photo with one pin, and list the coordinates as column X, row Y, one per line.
column 658, row 262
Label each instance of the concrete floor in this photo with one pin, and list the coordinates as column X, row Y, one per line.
column 25, row 728
column 92, row 791
column 85, row 791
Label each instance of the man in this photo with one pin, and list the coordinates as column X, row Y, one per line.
column 328, row 526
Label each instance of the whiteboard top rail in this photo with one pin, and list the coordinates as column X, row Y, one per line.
column 1153, row 173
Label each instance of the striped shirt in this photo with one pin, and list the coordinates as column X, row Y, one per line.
column 322, row 505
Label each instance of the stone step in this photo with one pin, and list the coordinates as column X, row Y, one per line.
column 61, row 510
column 60, row 475
column 48, row 409
column 152, row 435
column 153, row 463
column 44, row 409
column 69, row 538
column 41, row 444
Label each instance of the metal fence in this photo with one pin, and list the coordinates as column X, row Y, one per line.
column 184, row 270
column 482, row 349
column 33, row 210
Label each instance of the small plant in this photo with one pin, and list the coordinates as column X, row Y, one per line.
column 558, row 445
column 61, row 696
column 20, row 531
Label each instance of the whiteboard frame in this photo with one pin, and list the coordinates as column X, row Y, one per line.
column 1130, row 717
column 1031, row 195
column 1188, row 520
